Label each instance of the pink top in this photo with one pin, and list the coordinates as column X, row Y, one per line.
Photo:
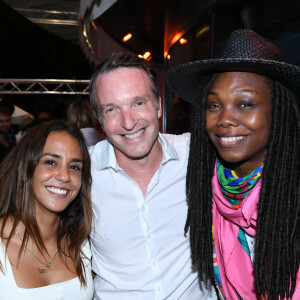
column 234, row 263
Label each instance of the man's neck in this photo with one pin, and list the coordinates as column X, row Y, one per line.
column 142, row 170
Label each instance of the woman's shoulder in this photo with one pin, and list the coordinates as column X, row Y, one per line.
column 14, row 242
column 8, row 226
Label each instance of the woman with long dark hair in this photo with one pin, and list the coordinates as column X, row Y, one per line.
column 243, row 172
column 46, row 215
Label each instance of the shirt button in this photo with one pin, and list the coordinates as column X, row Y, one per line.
column 158, row 288
column 143, row 208
column 154, row 263
column 149, row 236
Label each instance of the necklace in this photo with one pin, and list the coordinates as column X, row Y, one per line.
column 46, row 264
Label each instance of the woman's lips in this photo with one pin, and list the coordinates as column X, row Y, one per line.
column 231, row 140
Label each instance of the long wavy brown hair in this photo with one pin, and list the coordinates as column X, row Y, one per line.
column 17, row 200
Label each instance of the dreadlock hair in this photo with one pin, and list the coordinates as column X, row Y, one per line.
column 278, row 225
column 202, row 157
column 277, row 239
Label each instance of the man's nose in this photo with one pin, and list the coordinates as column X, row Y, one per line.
column 128, row 120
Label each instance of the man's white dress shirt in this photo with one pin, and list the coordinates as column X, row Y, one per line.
column 139, row 247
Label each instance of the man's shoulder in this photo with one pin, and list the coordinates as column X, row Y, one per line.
column 177, row 139
column 98, row 148
column 102, row 155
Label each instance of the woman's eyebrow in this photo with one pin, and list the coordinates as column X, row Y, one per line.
column 51, row 154
column 59, row 156
column 212, row 93
column 245, row 91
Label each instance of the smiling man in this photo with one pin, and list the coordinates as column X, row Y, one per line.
column 139, row 247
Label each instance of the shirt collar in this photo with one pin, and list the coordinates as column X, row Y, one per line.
column 169, row 151
column 107, row 158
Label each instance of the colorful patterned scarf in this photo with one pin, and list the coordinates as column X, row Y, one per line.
column 235, row 189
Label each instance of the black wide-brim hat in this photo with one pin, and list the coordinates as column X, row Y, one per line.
column 244, row 51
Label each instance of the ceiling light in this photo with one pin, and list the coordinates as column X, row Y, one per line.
column 127, row 37
column 147, row 55
column 183, row 41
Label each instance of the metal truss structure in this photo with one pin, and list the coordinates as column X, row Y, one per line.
column 44, row 86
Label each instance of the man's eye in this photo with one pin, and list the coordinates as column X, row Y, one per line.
column 109, row 110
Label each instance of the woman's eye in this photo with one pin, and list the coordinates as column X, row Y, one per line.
column 76, row 168
column 49, row 162
column 214, row 106
column 246, row 104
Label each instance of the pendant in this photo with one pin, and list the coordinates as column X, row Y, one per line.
column 43, row 270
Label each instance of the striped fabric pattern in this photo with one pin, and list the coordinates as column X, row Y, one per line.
column 234, row 189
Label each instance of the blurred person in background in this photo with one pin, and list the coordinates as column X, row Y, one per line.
column 45, row 110
column 7, row 135
column 80, row 115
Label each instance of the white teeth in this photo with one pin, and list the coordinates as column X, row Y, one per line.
column 57, row 191
column 232, row 138
column 135, row 135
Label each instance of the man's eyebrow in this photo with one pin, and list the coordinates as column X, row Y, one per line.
column 137, row 98
column 134, row 99
column 102, row 107
column 108, row 104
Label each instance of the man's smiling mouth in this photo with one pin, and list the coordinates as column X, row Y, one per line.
column 135, row 135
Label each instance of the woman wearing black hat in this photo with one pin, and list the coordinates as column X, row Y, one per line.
column 243, row 172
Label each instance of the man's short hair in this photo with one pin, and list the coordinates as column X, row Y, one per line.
column 122, row 60
column 5, row 111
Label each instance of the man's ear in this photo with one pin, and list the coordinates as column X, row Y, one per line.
column 159, row 109
column 95, row 115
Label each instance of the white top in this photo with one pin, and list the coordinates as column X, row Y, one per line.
column 138, row 242
column 67, row 290
column 91, row 135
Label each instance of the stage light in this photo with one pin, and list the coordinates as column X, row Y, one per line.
column 147, row 55
column 127, row 37
column 183, row 41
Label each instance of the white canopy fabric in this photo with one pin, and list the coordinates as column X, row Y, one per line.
column 96, row 10
column 19, row 115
